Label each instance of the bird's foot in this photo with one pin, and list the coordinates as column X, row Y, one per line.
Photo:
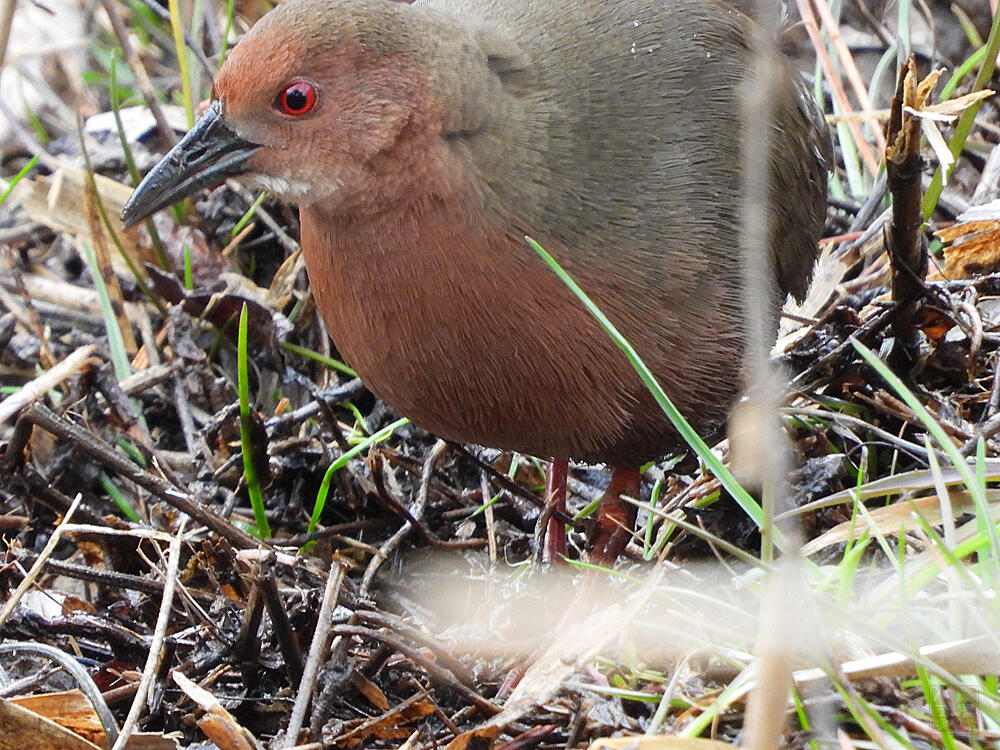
column 615, row 518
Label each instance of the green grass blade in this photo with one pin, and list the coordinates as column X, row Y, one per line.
column 334, row 364
column 182, row 59
column 976, row 490
column 968, row 117
column 341, row 462
column 116, row 342
column 227, row 31
column 247, row 216
column 742, row 497
column 18, row 177
column 249, row 472
column 118, row 498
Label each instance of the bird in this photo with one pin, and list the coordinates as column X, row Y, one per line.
column 423, row 142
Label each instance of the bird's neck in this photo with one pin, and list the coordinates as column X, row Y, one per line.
column 425, row 228
column 376, row 262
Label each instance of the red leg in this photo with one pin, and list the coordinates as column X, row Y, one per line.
column 615, row 518
column 555, row 499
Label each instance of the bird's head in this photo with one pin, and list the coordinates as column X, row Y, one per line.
column 323, row 100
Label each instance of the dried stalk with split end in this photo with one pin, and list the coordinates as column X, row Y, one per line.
column 904, row 164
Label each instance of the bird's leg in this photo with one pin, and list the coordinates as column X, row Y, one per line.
column 615, row 517
column 555, row 507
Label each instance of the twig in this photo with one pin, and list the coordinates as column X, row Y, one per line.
column 152, row 666
column 511, row 486
column 182, row 405
column 913, row 449
column 80, row 675
column 108, row 578
column 416, row 512
column 317, row 649
column 337, row 530
column 48, row 380
column 886, row 403
column 491, row 532
column 93, row 446
column 397, row 625
column 414, row 465
column 247, row 645
column 863, row 334
column 27, row 315
column 284, row 239
column 425, row 534
column 39, row 489
column 33, row 573
column 280, row 625
column 985, row 431
column 437, row 673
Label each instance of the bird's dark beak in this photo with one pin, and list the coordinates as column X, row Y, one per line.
column 209, row 153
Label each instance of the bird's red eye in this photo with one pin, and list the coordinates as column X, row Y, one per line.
column 297, row 99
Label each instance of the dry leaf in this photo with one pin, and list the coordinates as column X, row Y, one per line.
column 369, row 690
column 477, row 739
column 283, row 283
column 959, row 104
column 58, row 202
column 975, row 249
column 907, row 481
column 901, row 516
column 22, row 729
column 69, row 709
column 391, row 725
column 217, row 724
